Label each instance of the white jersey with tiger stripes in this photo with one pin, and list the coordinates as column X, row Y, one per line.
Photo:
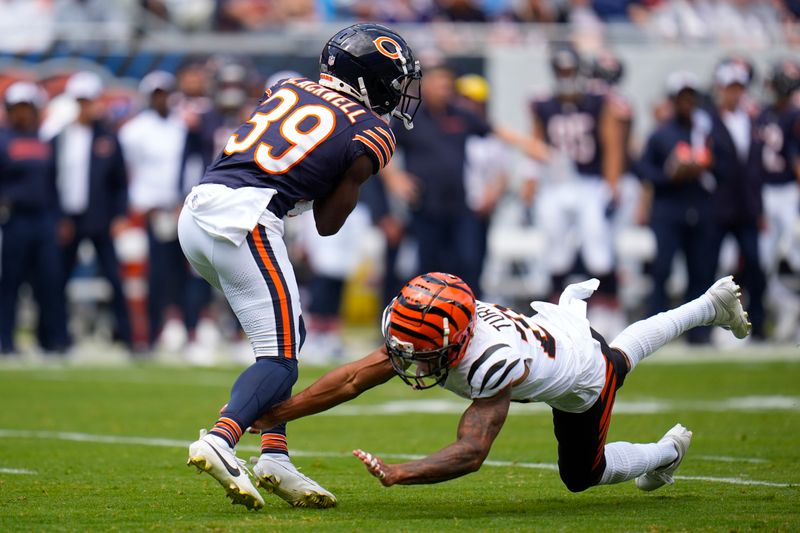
column 566, row 366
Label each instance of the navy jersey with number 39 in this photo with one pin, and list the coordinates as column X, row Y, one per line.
column 301, row 139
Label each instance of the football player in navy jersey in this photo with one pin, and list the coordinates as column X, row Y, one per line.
column 437, row 333
column 578, row 196
column 308, row 145
column 778, row 130
column 607, row 72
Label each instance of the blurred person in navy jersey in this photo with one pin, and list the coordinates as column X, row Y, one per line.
column 737, row 198
column 216, row 113
column 93, row 190
column 675, row 163
column 581, row 191
column 487, row 168
column 432, row 181
column 153, row 144
column 607, row 73
column 215, row 97
column 778, row 131
column 29, row 217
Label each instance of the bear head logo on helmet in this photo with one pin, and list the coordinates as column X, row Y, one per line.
column 374, row 65
column 427, row 328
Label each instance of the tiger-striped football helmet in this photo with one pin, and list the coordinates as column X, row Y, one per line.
column 427, row 328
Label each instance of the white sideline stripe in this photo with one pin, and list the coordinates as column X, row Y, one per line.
column 729, row 459
column 176, row 443
column 737, row 481
column 743, row 403
column 20, row 471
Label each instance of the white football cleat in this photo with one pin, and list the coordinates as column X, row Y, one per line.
column 276, row 473
column 726, row 295
column 210, row 454
column 681, row 438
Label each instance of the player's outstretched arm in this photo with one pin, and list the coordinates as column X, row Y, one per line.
column 613, row 148
column 530, row 145
column 335, row 387
column 479, row 426
column 331, row 212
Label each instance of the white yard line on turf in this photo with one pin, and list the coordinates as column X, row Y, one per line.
column 176, row 443
column 20, row 471
column 644, row 406
column 737, row 481
column 728, row 459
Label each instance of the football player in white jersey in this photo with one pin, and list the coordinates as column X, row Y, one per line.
column 437, row 333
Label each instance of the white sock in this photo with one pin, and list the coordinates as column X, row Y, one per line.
column 625, row 461
column 220, row 441
column 644, row 337
column 281, row 457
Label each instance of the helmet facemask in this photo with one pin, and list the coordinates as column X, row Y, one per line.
column 403, row 92
column 408, row 86
column 423, row 369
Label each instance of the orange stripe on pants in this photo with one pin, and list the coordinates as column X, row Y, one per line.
column 283, row 298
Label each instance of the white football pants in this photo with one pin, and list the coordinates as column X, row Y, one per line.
column 256, row 278
column 573, row 216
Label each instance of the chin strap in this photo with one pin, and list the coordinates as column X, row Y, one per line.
column 363, row 89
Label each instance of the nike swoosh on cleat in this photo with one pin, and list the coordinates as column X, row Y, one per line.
column 232, row 470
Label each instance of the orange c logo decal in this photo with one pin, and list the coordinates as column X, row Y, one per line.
column 381, row 42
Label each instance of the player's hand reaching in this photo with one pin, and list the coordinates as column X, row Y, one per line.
column 376, row 467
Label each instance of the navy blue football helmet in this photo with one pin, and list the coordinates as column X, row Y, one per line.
column 375, row 65
column 607, row 67
column 569, row 70
column 784, row 78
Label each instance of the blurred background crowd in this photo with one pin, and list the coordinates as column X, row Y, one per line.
column 669, row 167
column 731, row 21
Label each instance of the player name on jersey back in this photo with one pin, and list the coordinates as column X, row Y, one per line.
column 350, row 108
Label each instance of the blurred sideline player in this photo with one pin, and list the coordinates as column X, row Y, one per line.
column 606, row 74
column 432, row 178
column 736, row 200
column 153, row 144
column 29, row 214
column 436, row 333
column 778, row 129
column 332, row 260
column 307, row 146
column 486, row 166
column 674, row 164
column 578, row 195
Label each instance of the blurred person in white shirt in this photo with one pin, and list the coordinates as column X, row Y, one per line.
column 153, row 143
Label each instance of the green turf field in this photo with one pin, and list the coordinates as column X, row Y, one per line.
column 99, row 449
